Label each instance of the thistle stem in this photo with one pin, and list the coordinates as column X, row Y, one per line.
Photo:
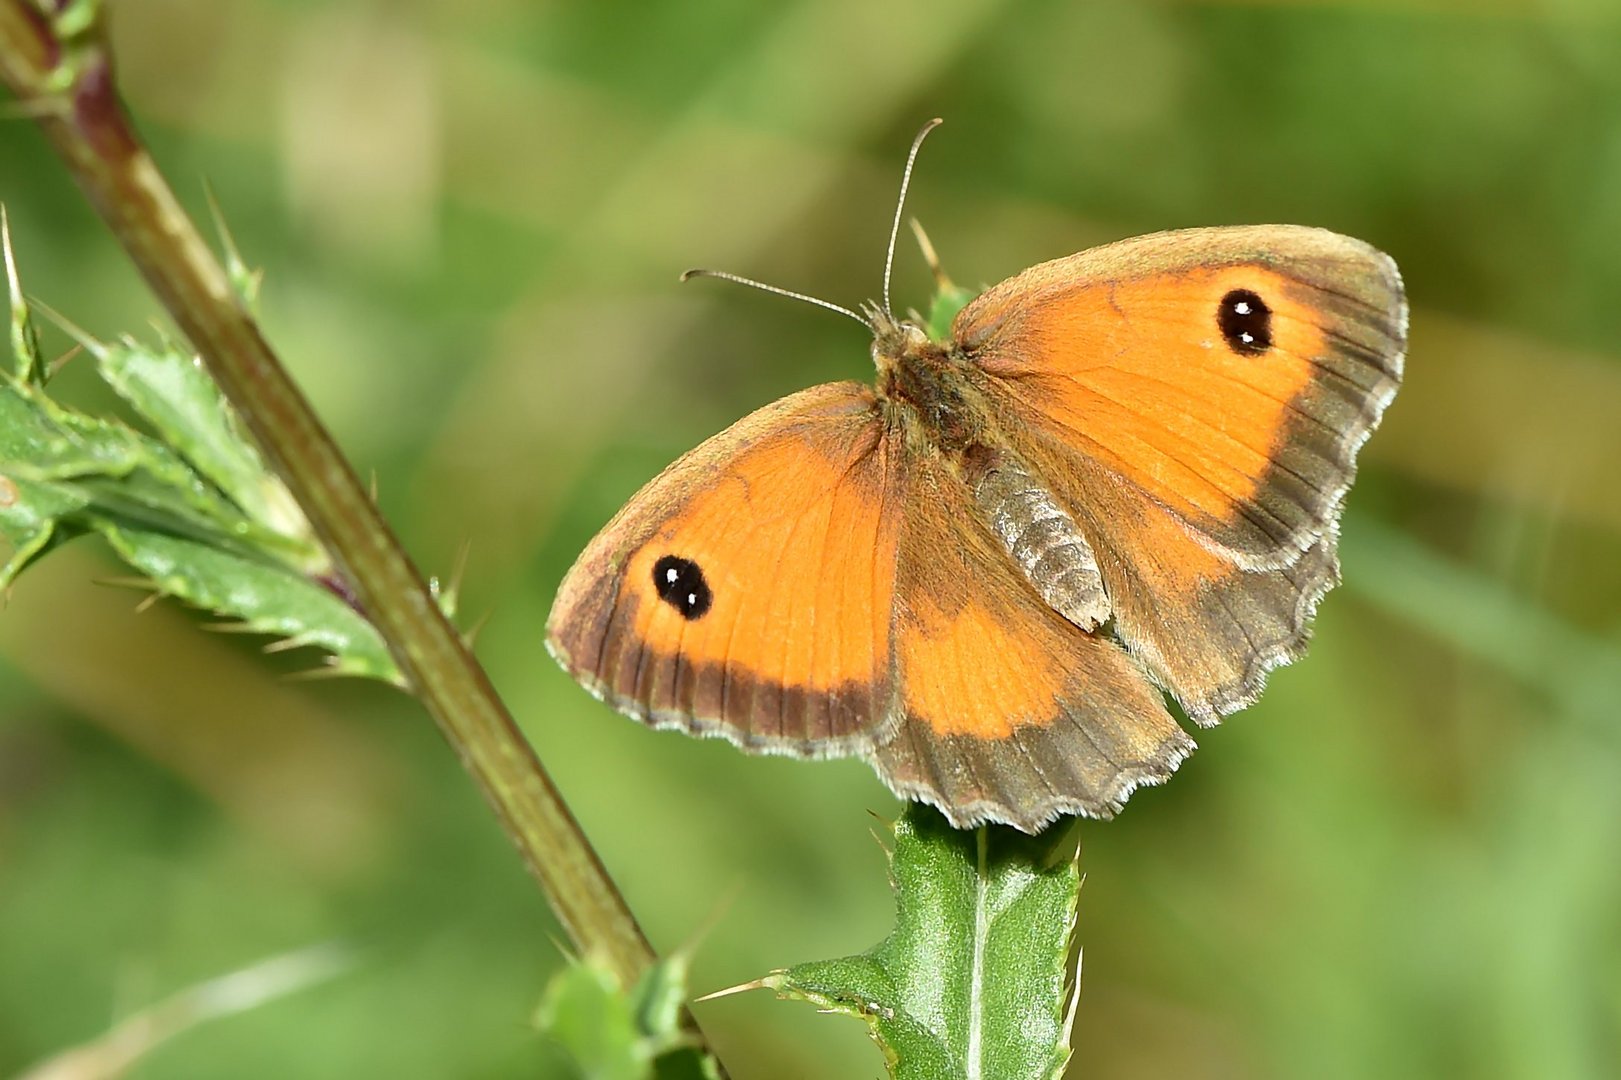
column 58, row 65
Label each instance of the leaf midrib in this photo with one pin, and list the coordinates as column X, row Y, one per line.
column 977, row 971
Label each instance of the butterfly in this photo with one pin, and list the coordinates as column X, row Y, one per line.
column 1120, row 473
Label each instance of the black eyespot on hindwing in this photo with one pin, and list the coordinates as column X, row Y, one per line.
column 1246, row 322
column 680, row 583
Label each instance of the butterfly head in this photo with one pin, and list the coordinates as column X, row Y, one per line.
column 923, row 384
column 894, row 341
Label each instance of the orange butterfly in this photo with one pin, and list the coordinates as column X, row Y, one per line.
column 1123, row 470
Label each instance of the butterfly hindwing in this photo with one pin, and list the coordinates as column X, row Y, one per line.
column 1207, row 629
column 1012, row 713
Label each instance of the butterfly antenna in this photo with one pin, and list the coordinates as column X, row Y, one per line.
column 789, row 293
column 900, row 206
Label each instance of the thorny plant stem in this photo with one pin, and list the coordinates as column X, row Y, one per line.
column 57, row 63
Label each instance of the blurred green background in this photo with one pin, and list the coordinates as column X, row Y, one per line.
column 1402, row 862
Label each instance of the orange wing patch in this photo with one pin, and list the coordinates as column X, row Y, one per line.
column 1228, row 374
column 791, row 544
column 747, row 591
column 1198, row 436
column 971, row 674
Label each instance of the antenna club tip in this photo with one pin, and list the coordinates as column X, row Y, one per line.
column 688, row 275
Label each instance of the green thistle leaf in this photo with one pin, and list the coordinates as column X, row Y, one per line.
column 974, row 980
column 268, row 599
column 191, row 506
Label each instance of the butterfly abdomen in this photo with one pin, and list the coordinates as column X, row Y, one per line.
column 1040, row 536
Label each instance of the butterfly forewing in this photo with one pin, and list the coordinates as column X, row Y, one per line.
column 747, row 591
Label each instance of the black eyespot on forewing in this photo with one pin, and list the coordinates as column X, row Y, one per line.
column 1246, row 322
column 680, row 583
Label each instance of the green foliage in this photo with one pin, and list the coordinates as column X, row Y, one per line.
column 948, row 300
column 974, row 980
column 1579, row 673
column 1400, row 862
column 119, row 1050
column 612, row 1034
column 194, row 509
